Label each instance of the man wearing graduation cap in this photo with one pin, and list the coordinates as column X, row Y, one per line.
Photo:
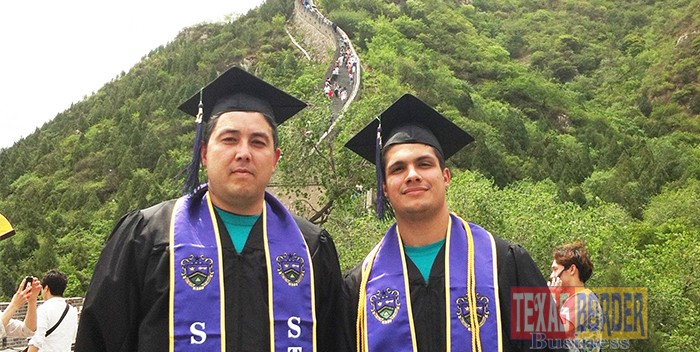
column 225, row 267
column 430, row 256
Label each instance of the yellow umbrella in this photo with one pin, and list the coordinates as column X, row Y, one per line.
column 6, row 230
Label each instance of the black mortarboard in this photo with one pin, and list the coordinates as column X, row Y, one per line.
column 407, row 120
column 235, row 90
column 238, row 90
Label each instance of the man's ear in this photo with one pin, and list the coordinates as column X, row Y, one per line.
column 573, row 269
column 278, row 155
column 446, row 176
column 203, row 154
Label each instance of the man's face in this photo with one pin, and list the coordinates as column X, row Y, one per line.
column 415, row 184
column 560, row 274
column 240, row 158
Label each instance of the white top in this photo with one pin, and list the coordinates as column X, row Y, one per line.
column 15, row 328
column 63, row 337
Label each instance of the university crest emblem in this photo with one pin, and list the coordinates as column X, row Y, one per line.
column 291, row 268
column 385, row 305
column 197, row 271
column 482, row 310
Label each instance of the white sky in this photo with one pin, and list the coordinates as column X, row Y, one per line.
column 54, row 53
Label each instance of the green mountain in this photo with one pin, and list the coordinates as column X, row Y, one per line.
column 586, row 116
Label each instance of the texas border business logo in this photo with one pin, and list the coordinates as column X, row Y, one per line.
column 602, row 317
column 197, row 271
column 291, row 268
column 385, row 305
column 482, row 310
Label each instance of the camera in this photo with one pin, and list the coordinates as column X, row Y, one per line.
column 28, row 281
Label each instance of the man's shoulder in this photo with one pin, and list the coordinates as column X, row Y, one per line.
column 145, row 226
column 312, row 233
column 58, row 304
column 502, row 246
column 51, row 304
column 307, row 226
column 164, row 208
column 510, row 253
column 158, row 211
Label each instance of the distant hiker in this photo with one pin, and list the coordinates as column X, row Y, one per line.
column 336, row 72
column 56, row 319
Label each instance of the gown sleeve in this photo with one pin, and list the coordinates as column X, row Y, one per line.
column 328, row 284
column 351, row 297
column 331, row 336
column 116, row 307
column 107, row 320
column 515, row 269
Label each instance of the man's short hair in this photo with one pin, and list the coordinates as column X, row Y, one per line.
column 56, row 281
column 575, row 254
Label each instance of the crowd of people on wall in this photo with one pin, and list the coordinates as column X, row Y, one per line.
column 311, row 7
column 332, row 89
column 348, row 58
column 346, row 62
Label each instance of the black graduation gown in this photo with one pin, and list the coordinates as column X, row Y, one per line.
column 126, row 306
column 515, row 268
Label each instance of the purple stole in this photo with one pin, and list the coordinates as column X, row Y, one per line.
column 385, row 318
column 197, row 302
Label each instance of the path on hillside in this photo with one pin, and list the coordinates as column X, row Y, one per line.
column 327, row 36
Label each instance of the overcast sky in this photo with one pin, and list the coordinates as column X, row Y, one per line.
column 55, row 53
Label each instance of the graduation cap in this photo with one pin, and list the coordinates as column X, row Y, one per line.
column 238, row 90
column 407, row 120
column 6, row 230
column 235, row 90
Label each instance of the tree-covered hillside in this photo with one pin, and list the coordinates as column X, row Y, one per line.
column 586, row 116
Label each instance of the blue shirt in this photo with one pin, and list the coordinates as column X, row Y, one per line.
column 238, row 227
column 424, row 256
